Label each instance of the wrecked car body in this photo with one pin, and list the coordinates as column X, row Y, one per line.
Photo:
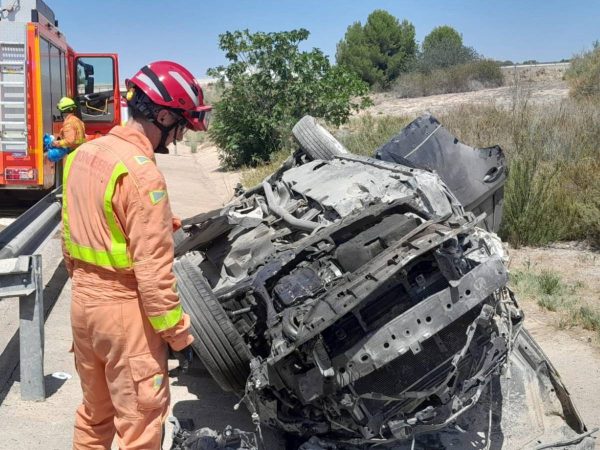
column 356, row 299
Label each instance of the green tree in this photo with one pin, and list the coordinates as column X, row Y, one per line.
column 268, row 86
column 380, row 50
column 443, row 47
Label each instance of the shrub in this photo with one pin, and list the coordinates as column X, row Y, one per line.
column 585, row 177
column 268, row 86
column 583, row 75
column 550, row 283
column 461, row 78
column 588, row 318
column 378, row 51
column 443, row 48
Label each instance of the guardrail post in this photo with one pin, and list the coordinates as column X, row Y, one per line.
column 31, row 336
column 22, row 277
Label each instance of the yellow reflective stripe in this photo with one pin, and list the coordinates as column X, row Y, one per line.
column 98, row 257
column 118, row 241
column 118, row 256
column 167, row 320
column 65, row 214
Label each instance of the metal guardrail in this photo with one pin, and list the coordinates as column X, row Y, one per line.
column 21, row 276
column 32, row 228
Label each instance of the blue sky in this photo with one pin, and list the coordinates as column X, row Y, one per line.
column 187, row 31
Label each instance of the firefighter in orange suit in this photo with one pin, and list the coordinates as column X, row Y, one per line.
column 72, row 133
column 118, row 248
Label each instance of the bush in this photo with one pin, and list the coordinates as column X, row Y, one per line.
column 583, row 75
column 443, row 48
column 461, row 78
column 379, row 51
column 268, row 86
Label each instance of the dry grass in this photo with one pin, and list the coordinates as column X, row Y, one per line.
column 366, row 133
column 552, row 293
column 251, row 176
column 534, row 74
column 584, row 75
column 470, row 76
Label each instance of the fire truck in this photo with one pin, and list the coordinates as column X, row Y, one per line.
column 37, row 68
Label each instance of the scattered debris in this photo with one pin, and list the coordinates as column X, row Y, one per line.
column 62, row 375
column 208, row 439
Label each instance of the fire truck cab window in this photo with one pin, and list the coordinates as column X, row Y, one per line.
column 95, row 88
column 53, row 79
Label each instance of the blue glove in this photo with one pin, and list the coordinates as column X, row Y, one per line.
column 48, row 140
column 55, row 154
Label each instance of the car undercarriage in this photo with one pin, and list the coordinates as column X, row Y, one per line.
column 360, row 302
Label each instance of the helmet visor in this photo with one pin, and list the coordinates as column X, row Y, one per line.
column 197, row 120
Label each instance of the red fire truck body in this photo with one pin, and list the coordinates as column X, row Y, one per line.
column 37, row 68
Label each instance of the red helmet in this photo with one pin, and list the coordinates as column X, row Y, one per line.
column 171, row 85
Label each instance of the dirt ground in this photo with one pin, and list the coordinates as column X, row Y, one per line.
column 575, row 352
column 195, row 181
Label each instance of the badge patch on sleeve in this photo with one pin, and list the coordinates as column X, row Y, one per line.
column 141, row 160
column 157, row 196
column 157, row 381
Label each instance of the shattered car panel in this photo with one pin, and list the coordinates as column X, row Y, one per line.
column 355, row 299
column 475, row 176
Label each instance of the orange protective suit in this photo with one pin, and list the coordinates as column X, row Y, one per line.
column 72, row 134
column 118, row 247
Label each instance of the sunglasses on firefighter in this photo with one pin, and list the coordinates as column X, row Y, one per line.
column 183, row 122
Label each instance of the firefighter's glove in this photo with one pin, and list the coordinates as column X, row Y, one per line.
column 55, row 154
column 185, row 358
column 48, row 141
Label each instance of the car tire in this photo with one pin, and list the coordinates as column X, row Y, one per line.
column 218, row 344
column 316, row 141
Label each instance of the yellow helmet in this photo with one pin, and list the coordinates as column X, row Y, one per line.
column 66, row 104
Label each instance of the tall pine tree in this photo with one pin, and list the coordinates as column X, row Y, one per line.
column 380, row 50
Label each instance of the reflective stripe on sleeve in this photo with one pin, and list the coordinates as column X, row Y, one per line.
column 167, row 320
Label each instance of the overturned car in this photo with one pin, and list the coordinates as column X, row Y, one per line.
column 363, row 300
